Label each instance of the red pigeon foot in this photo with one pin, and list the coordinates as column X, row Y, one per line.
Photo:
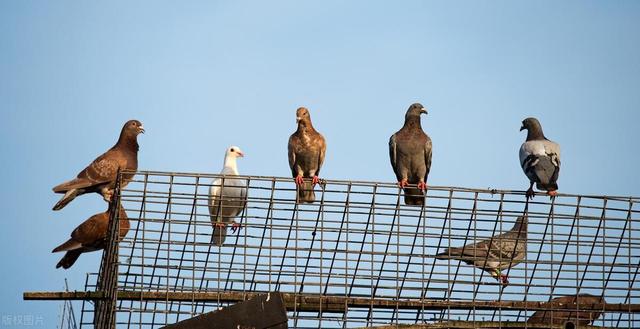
column 403, row 183
column 299, row 180
column 504, row 279
column 422, row 186
column 235, row 227
column 221, row 225
column 315, row 180
column 552, row 193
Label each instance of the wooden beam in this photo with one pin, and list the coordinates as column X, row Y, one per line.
column 316, row 303
column 479, row 324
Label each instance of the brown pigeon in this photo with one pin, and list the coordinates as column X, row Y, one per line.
column 539, row 159
column 496, row 254
column 584, row 317
column 100, row 175
column 306, row 155
column 89, row 236
column 410, row 154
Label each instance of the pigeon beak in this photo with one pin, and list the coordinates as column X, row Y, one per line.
column 298, row 119
column 141, row 129
column 240, row 154
column 522, row 128
column 423, row 110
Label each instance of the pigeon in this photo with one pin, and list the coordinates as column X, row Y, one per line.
column 100, row 176
column 539, row 159
column 227, row 197
column 306, row 155
column 582, row 302
column 496, row 254
column 410, row 154
column 90, row 236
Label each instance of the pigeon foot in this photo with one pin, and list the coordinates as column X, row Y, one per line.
column 530, row 193
column 552, row 194
column 235, row 227
column 107, row 195
column 315, row 180
column 220, row 225
column 504, row 280
column 299, row 180
column 422, row 186
column 403, row 183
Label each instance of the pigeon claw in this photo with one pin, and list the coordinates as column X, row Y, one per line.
column 220, row 225
column 315, row 180
column 299, row 180
column 530, row 193
column 422, row 186
column 235, row 227
column 504, row 280
column 552, row 194
column 403, row 183
column 108, row 196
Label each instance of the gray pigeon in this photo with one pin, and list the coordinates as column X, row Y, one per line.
column 586, row 303
column 100, row 176
column 496, row 254
column 539, row 159
column 410, row 154
column 306, row 155
column 90, row 236
column 227, row 197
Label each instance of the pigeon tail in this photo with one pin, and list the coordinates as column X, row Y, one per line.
column 547, row 187
column 305, row 193
column 450, row 253
column 413, row 197
column 66, row 198
column 219, row 235
column 76, row 183
column 69, row 245
column 69, row 259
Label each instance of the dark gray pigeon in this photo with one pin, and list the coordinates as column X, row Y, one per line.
column 496, row 254
column 90, row 236
column 306, row 155
column 539, row 159
column 586, row 303
column 100, row 176
column 410, row 154
column 227, row 197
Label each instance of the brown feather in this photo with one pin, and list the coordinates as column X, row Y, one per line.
column 101, row 174
column 306, row 150
column 90, row 236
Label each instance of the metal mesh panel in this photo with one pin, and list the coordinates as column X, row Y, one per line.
column 365, row 256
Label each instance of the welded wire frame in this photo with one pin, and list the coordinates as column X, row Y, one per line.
column 359, row 240
column 108, row 276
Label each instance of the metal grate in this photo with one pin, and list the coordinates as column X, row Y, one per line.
column 365, row 257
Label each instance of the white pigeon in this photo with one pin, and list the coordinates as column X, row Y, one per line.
column 227, row 196
column 539, row 159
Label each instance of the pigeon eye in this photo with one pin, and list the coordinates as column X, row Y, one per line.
column 232, row 149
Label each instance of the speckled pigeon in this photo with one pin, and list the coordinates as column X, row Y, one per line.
column 586, row 303
column 227, row 196
column 496, row 254
column 410, row 155
column 100, row 176
column 539, row 159
column 306, row 155
column 90, row 236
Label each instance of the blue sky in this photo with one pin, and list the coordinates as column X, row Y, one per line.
column 204, row 75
